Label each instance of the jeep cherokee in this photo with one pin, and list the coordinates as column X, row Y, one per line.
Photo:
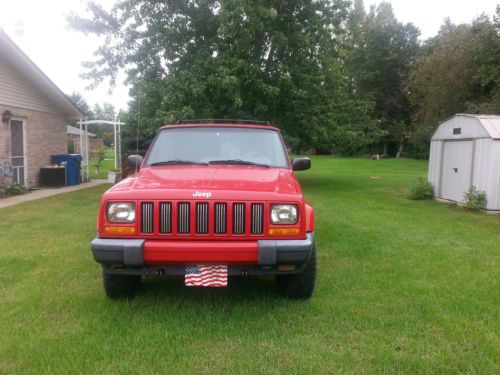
column 210, row 200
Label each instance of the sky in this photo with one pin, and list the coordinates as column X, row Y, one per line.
column 40, row 29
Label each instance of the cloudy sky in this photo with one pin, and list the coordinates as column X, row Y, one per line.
column 39, row 27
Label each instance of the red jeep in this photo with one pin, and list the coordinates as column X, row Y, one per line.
column 210, row 200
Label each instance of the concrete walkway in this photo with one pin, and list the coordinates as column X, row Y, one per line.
column 47, row 192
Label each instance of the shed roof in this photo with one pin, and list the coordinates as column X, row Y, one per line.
column 28, row 68
column 489, row 124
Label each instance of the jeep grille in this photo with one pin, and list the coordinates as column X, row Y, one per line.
column 202, row 218
column 147, row 222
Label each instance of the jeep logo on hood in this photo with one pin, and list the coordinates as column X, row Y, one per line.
column 204, row 194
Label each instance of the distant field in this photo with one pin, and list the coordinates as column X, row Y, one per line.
column 403, row 287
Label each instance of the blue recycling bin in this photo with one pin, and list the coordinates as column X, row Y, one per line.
column 73, row 163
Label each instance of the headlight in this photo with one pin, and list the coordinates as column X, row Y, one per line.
column 284, row 214
column 121, row 212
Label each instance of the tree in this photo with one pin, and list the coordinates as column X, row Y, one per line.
column 81, row 103
column 380, row 51
column 264, row 59
column 456, row 71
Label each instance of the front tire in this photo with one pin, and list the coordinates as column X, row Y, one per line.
column 120, row 286
column 300, row 285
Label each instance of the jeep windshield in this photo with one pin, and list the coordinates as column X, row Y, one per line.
column 213, row 145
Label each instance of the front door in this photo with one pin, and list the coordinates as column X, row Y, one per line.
column 18, row 153
column 457, row 169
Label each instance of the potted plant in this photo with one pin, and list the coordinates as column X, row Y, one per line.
column 113, row 175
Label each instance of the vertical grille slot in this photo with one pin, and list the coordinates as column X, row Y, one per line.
column 183, row 217
column 147, row 217
column 202, row 218
column 257, row 218
column 239, row 218
column 165, row 217
column 220, row 218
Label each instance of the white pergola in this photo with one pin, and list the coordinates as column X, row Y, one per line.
column 84, row 143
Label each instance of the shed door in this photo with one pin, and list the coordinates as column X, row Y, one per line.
column 457, row 169
column 18, row 153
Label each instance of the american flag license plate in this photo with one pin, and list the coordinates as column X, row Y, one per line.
column 206, row 275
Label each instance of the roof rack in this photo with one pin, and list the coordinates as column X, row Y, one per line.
column 223, row 121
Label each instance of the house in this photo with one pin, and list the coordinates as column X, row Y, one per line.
column 465, row 152
column 34, row 113
column 74, row 145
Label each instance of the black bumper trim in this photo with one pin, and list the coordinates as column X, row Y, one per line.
column 272, row 252
column 116, row 251
column 129, row 252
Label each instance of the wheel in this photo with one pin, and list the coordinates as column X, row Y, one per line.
column 300, row 285
column 120, row 286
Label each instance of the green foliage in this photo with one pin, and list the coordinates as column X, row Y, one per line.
column 105, row 111
column 99, row 158
column 475, row 199
column 457, row 71
column 420, row 188
column 275, row 60
column 331, row 75
column 380, row 53
column 11, row 190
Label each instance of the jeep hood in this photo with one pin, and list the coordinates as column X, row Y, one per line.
column 214, row 179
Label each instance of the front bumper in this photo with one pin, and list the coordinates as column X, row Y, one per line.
column 169, row 255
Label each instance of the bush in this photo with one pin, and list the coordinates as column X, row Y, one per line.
column 420, row 188
column 11, row 190
column 475, row 199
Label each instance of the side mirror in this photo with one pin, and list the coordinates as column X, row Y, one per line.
column 301, row 164
column 134, row 162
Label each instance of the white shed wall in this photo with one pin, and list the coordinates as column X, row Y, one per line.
column 435, row 165
column 486, row 170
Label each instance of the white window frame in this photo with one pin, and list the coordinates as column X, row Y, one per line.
column 25, row 150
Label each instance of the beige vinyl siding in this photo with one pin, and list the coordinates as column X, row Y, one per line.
column 16, row 91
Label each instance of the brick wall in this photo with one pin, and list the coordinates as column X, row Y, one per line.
column 45, row 135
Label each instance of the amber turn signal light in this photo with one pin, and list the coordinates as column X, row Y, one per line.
column 119, row 230
column 284, row 231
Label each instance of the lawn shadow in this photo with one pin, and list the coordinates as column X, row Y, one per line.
column 336, row 183
column 239, row 289
column 167, row 302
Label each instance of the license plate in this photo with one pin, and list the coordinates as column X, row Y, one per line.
column 206, row 275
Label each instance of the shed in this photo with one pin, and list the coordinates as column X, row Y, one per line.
column 465, row 152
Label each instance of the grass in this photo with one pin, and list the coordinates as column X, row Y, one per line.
column 403, row 287
column 106, row 165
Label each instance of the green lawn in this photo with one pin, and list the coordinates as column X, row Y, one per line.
column 403, row 287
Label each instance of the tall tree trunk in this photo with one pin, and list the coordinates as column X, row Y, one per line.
column 385, row 149
column 400, row 148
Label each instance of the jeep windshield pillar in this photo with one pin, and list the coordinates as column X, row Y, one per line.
column 211, row 199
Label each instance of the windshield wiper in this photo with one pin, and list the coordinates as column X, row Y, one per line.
column 177, row 162
column 237, row 162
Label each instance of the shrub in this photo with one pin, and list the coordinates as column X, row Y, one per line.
column 11, row 190
column 475, row 199
column 420, row 188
